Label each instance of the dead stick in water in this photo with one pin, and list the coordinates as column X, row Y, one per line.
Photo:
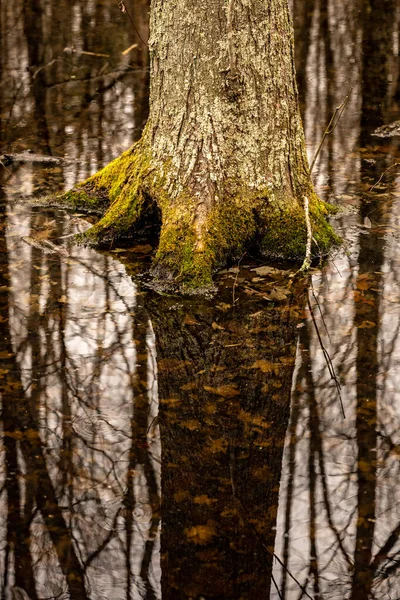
column 337, row 115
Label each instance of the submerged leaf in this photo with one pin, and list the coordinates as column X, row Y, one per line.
column 201, row 534
column 226, row 391
column 263, row 365
column 262, row 271
column 367, row 325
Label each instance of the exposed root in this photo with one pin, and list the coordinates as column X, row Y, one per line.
column 131, row 194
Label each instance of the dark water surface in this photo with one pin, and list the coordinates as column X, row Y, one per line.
column 162, row 447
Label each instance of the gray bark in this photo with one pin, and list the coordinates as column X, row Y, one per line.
column 224, row 114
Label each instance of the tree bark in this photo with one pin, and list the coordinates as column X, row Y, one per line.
column 221, row 162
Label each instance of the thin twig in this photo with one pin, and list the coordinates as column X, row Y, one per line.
column 331, row 126
column 328, row 359
column 236, row 278
column 276, row 586
column 307, row 259
column 320, row 310
column 396, row 164
column 3, row 165
column 122, row 7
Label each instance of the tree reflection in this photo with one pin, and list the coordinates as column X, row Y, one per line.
column 224, row 380
column 81, row 499
column 73, row 76
column 82, row 460
column 338, row 523
column 81, row 502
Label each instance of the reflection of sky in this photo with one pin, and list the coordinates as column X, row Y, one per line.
column 325, row 491
column 91, row 356
column 90, row 100
column 73, row 329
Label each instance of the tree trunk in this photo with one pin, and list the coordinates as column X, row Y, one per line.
column 221, row 162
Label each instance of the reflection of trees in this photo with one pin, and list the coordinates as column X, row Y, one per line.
column 225, row 377
column 80, row 443
column 65, row 85
column 378, row 20
column 80, row 430
column 339, row 521
column 327, row 47
column 334, row 504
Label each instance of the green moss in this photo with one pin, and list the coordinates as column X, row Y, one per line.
column 286, row 233
column 231, row 227
column 130, row 191
column 124, row 182
column 79, row 199
column 178, row 255
column 227, row 231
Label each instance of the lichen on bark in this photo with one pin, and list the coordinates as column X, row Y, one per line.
column 221, row 165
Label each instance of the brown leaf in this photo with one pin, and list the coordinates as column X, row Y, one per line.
column 216, row 446
column 192, row 425
column 263, row 365
column 364, row 285
column 188, row 320
column 278, row 294
column 203, row 499
column 226, row 391
column 366, row 325
column 262, row 271
column 201, row 534
column 141, row 249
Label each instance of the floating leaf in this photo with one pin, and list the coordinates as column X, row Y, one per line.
column 366, row 325
column 189, row 386
column 263, row 365
column 226, row 391
column 278, row 294
column 201, row 534
column 192, row 425
column 364, row 285
column 219, row 445
column 204, row 500
column 188, row 320
column 367, row 222
column 181, row 495
column 223, row 306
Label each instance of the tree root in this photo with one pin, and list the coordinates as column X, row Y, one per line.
column 131, row 193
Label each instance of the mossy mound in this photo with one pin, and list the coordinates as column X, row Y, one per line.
column 131, row 195
column 286, row 233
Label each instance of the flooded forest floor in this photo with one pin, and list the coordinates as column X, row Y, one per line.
column 151, row 446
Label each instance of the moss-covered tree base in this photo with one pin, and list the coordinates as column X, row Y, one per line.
column 131, row 194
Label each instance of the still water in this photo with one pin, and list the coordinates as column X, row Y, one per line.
column 245, row 447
